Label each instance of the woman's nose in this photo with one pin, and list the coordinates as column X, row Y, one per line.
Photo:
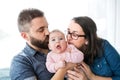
column 68, row 37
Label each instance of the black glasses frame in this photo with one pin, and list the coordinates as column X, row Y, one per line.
column 74, row 35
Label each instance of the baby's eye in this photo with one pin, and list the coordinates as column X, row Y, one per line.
column 53, row 40
column 61, row 38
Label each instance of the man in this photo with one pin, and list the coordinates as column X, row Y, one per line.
column 29, row 64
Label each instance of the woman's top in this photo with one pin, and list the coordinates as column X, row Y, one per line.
column 109, row 64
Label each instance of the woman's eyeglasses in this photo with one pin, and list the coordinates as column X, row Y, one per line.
column 74, row 35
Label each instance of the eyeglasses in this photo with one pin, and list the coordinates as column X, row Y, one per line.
column 74, row 35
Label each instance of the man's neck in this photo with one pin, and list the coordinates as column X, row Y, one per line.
column 45, row 51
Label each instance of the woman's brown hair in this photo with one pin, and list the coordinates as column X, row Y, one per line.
column 94, row 47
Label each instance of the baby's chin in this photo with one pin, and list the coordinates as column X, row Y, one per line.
column 59, row 52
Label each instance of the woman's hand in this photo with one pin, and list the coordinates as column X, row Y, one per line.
column 87, row 70
column 81, row 72
column 90, row 74
column 76, row 74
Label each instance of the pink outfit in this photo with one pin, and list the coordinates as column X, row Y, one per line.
column 72, row 54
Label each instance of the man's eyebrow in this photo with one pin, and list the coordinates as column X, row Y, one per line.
column 42, row 27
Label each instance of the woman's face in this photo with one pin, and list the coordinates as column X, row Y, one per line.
column 77, row 29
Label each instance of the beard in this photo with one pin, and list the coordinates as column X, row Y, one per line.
column 40, row 43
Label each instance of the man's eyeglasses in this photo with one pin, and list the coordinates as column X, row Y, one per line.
column 74, row 35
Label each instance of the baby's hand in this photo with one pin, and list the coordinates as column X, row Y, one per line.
column 60, row 64
column 70, row 65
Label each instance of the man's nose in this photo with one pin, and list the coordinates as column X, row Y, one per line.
column 47, row 31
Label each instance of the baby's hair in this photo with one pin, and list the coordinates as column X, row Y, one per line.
column 56, row 30
column 59, row 31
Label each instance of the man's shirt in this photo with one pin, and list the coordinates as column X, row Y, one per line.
column 29, row 64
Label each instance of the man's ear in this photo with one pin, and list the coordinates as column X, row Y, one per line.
column 24, row 35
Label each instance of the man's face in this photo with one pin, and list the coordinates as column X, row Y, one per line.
column 39, row 33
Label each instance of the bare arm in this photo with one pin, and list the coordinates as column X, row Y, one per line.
column 59, row 75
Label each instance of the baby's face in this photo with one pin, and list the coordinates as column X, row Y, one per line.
column 57, row 42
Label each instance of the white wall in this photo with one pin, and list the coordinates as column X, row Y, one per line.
column 117, row 30
column 106, row 15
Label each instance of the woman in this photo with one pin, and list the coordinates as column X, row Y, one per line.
column 101, row 60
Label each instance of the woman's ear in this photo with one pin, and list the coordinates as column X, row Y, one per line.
column 86, row 42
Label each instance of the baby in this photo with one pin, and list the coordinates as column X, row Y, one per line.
column 61, row 52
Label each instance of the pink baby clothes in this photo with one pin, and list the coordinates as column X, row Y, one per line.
column 71, row 54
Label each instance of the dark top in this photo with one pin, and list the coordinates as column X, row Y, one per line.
column 109, row 64
column 29, row 64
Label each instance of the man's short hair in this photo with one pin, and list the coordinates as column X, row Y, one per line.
column 26, row 16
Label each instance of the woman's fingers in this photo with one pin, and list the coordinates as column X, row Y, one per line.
column 87, row 70
column 73, row 75
column 69, row 79
column 84, row 67
column 76, row 74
